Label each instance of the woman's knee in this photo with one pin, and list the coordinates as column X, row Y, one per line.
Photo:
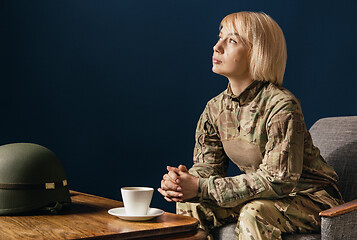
column 185, row 209
column 252, row 210
column 257, row 218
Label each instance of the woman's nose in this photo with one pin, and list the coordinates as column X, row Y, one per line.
column 218, row 47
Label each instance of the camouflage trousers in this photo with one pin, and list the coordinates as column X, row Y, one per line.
column 260, row 218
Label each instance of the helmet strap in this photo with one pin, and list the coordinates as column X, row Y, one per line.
column 54, row 209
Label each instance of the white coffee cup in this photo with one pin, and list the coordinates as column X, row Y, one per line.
column 136, row 200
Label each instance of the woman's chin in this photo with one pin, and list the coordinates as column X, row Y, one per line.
column 215, row 70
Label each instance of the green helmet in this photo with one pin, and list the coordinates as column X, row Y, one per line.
column 31, row 178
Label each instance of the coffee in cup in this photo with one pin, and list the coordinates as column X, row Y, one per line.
column 136, row 200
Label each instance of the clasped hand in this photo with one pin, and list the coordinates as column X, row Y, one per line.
column 179, row 185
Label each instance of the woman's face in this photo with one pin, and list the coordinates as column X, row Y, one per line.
column 230, row 56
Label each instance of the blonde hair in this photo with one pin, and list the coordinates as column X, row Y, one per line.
column 266, row 43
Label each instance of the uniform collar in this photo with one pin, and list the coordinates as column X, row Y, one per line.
column 248, row 94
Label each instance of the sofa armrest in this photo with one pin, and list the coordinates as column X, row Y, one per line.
column 339, row 222
column 341, row 209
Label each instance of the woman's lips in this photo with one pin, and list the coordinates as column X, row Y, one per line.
column 216, row 61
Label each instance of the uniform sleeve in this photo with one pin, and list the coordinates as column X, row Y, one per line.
column 209, row 157
column 279, row 172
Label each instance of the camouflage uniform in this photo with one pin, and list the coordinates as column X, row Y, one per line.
column 285, row 181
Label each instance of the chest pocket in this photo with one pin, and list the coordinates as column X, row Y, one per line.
column 228, row 123
column 245, row 155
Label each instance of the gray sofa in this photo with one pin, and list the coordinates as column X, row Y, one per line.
column 336, row 137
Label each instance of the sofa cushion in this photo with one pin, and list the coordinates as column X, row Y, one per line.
column 227, row 232
column 336, row 137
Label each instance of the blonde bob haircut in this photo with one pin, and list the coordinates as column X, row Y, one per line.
column 265, row 41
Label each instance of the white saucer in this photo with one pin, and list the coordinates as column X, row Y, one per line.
column 120, row 213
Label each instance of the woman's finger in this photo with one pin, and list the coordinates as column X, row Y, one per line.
column 183, row 168
column 163, row 187
column 173, row 169
column 163, row 192
column 176, row 199
column 173, row 194
column 169, row 193
column 168, row 199
column 168, row 185
column 173, row 176
column 167, row 177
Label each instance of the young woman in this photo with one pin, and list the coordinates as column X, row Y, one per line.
column 259, row 125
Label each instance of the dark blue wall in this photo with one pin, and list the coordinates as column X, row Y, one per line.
column 115, row 88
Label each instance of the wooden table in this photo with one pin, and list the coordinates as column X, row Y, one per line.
column 88, row 218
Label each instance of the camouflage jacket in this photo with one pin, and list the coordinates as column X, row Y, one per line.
column 263, row 132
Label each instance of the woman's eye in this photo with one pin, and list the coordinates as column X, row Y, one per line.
column 232, row 40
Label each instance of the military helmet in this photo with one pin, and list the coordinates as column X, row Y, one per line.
column 31, row 178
